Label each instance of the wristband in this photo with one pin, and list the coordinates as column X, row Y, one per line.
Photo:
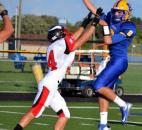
column 3, row 13
column 106, row 30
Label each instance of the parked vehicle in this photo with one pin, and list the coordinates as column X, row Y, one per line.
column 81, row 76
column 82, row 85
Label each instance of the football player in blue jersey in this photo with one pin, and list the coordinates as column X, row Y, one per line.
column 121, row 31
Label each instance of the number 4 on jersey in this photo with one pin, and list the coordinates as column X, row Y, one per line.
column 51, row 61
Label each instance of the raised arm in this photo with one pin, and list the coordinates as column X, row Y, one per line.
column 93, row 9
column 7, row 29
column 91, row 29
column 84, row 37
column 90, row 6
column 84, row 24
column 106, row 32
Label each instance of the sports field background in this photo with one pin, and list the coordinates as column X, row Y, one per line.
column 84, row 116
column 13, row 80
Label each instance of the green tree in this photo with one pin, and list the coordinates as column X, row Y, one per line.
column 32, row 24
column 138, row 37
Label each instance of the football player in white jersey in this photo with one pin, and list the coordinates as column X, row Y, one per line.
column 60, row 55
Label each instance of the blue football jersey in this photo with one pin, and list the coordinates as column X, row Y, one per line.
column 122, row 36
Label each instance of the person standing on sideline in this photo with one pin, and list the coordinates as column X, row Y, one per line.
column 7, row 29
column 121, row 30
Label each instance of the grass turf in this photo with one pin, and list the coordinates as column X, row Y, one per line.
column 81, row 118
column 12, row 79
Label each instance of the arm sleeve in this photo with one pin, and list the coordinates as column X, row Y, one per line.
column 70, row 42
column 128, row 30
column 118, row 38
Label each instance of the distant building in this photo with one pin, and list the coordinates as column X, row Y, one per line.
column 4, row 46
column 34, row 42
column 30, row 42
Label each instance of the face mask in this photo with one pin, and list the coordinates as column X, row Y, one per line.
column 117, row 15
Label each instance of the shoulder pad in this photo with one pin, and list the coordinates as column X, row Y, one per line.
column 69, row 43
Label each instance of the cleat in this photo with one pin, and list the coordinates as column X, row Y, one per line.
column 125, row 112
column 103, row 127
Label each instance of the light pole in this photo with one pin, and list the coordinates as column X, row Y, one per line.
column 16, row 19
column 133, row 46
column 19, row 25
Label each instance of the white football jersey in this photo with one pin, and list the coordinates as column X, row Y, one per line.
column 48, row 94
column 56, row 57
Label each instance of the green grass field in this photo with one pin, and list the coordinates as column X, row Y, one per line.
column 81, row 118
column 132, row 79
column 12, row 79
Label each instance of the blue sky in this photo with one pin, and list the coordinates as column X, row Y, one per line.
column 72, row 10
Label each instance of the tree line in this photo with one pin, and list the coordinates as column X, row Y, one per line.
column 32, row 24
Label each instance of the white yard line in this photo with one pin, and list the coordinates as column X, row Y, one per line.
column 72, row 107
column 14, row 106
column 84, row 107
column 4, row 129
column 42, row 124
column 11, row 112
column 85, row 124
column 73, row 117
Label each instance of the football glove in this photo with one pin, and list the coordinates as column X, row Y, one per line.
column 3, row 11
column 96, row 19
column 87, row 20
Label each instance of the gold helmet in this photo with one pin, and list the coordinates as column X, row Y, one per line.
column 124, row 6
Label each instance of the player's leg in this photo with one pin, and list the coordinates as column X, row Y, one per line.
column 42, row 98
column 61, row 123
column 35, row 111
column 124, row 106
column 30, row 115
column 58, row 104
column 103, row 83
column 25, row 120
column 104, row 105
column 110, row 73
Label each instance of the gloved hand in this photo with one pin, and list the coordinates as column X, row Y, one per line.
column 3, row 11
column 96, row 19
column 87, row 20
column 99, row 12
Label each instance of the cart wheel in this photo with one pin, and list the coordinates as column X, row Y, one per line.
column 119, row 91
column 88, row 91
